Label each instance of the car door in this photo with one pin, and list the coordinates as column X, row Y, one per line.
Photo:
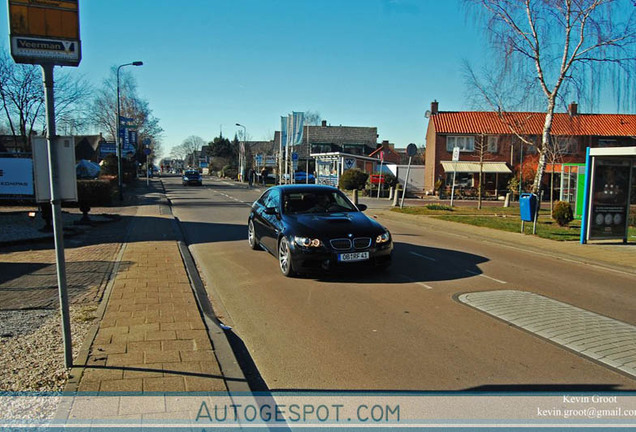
column 257, row 215
column 271, row 221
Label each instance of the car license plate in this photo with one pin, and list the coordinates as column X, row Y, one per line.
column 353, row 256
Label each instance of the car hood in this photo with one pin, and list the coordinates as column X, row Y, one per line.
column 333, row 225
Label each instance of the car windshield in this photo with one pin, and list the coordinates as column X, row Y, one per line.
column 191, row 173
column 303, row 202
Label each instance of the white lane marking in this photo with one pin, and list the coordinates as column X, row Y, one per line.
column 422, row 284
column 486, row 276
column 423, row 256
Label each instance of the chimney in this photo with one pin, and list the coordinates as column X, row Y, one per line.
column 573, row 109
column 324, row 123
column 434, row 107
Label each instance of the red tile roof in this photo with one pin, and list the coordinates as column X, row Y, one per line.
column 531, row 123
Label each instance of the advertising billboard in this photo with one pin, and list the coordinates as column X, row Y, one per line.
column 16, row 176
column 610, row 198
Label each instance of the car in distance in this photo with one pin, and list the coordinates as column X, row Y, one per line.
column 301, row 177
column 192, row 177
column 316, row 227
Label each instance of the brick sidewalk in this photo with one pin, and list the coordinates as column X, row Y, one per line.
column 152, row 336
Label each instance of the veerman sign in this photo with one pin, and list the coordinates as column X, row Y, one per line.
column 45, row 31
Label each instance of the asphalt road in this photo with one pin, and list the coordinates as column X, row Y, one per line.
column 400, row 330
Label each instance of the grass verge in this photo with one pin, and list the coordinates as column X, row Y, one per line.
column 504, row 219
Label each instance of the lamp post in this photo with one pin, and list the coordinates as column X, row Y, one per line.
column 119, row 150
column 242, row 153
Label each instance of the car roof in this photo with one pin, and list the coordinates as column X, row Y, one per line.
column 304, row 188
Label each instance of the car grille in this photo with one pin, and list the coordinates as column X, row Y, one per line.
column 361, row 242
column 346, row 244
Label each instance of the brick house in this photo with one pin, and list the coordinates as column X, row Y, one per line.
column 327, row 139
column 356, row 140
column 495, row 137
column 386, row 152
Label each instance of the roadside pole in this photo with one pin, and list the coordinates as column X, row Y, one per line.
column 56, row 30
column 411, row 150
column 147, row 152
column 380, row 178
column 56, row 207
column 455, row 159
column 406, row 182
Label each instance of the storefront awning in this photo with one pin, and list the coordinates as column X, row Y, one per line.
column 473, row 167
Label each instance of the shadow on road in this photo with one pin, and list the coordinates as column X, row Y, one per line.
column 411, row 263
column 200, row 232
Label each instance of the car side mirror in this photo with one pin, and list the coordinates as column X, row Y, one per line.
column 271, row 210
column 361, row 207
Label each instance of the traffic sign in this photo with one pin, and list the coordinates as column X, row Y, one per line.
column 294, row 156
column 455, row 154
column 147, row 151
column 411, row 150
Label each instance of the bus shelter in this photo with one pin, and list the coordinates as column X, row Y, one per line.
column 609, row 187
column 330, row 166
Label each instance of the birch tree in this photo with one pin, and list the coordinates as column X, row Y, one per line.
column 563, row 48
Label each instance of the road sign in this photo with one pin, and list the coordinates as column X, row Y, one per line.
column 147, row 151
column 45, row 31
column 455, row 154
column 411, row 150
column 294, row 156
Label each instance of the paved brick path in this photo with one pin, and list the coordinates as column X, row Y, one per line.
column 152, row 336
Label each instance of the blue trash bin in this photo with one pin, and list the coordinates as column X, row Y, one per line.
column 528, row 206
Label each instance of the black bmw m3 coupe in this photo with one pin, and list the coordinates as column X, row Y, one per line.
column 316, row 228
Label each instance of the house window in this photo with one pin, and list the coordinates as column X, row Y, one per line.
column 465, row 143
column 493, row 144
column 566, row 145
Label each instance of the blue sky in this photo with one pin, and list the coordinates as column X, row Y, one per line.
column 212, row 63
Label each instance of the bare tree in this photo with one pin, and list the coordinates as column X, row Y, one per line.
column 22, row 98
column 312, row 118
column 103, row 110
column 559, row 146
column 178, row 152
column 484, row 153
column 557, row 44
column 193, row 143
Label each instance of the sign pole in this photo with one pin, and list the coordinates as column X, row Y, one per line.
column 406, row 182
column 455, row 159
column 380, row 176
column 56, row 206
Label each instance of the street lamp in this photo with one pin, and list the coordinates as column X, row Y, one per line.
column 119, row 150
column 242, row 153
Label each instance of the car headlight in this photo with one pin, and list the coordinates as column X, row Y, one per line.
column 307, row 242
column 383, row 238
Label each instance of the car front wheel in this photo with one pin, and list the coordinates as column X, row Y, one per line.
column 284, row 258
